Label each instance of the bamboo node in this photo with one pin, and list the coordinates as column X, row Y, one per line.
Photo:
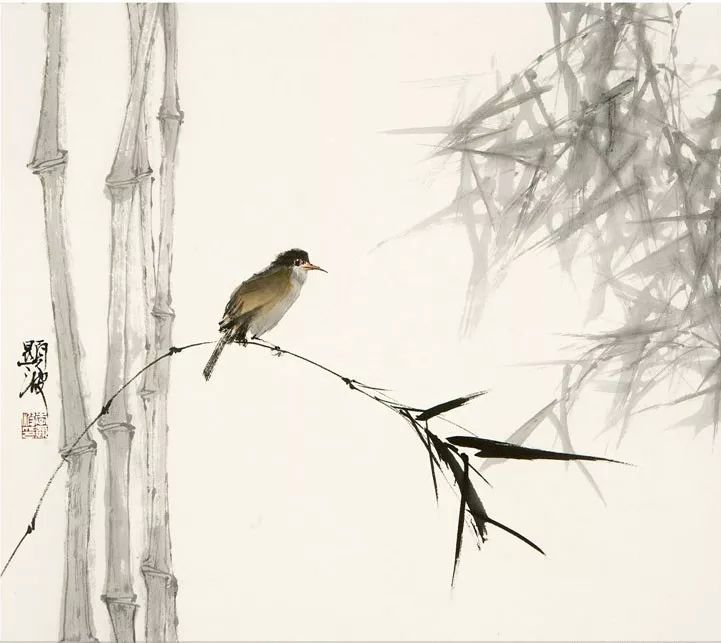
column 76, row 450
column 147, row 392
column 117, row 426
column 172, row 116
column 149, row 570
column 165, row 311
column 127, row 599
column 40, row 166
column 146, row 172
column 121, row 183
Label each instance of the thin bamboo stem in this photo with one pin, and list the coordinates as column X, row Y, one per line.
column 157, row 568
column 78, row 448
column 141, row 242
column 116, row 426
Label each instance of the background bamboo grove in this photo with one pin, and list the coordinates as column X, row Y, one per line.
column 597, row 150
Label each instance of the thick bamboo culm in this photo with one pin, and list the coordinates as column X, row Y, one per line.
column 116, row 426
column 161, row 586
column 49, row 163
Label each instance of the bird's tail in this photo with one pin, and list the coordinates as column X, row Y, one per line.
column 208, row 370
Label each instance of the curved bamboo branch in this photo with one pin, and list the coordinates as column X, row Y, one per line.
column 174, row 350
column 445, row 451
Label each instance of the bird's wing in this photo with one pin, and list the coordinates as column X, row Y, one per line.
column 254, row 293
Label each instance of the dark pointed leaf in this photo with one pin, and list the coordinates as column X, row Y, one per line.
column 447, row 406
column 496, row 449
column 461, row 517
column 433, row 463
column 513, row 532
column 426, row 443
column 521, row 434
column 473, row 502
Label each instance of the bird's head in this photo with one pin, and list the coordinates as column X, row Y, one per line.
column 296, row 259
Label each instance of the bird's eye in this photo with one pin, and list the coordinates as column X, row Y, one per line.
column 297, row 262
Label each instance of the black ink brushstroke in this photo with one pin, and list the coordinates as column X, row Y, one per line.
column 474, row 504
column 447, row 406
column 496, row 449
column 461, row 517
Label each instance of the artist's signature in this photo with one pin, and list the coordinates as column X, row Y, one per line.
column 34, row 424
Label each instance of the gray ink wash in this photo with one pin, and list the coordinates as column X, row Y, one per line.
column 123, row 182
column 78, row 450
column 617, row 172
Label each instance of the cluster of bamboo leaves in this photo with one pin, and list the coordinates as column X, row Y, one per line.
column 594, row 150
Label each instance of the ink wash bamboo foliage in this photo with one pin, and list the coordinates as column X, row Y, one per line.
column 161, row 585
column 623, row 171
column 115, row 425
column 78, row 449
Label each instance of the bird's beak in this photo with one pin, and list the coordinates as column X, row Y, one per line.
column 309, row 266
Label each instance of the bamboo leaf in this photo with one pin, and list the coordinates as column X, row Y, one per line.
column 522, row 433
column 590, row 213
column 443, row 407
column 499, row 155
column 440, row 217
column 495, row 449
column 419, row 130
column 518, row 535
column 684, row 398
column 493, row 108
column 473, row 502
column 461, row 517
column 420, row 431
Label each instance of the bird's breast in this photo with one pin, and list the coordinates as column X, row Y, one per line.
column 270, row 314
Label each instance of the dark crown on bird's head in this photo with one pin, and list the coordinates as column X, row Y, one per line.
column 289, row 257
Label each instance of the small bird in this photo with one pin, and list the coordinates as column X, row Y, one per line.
column 259, row 303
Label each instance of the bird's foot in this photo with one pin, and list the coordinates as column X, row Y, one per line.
column 274, row 348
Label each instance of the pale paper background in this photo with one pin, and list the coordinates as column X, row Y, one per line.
column 300, row 510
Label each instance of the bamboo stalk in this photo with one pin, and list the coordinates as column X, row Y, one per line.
column 141, row 238
column 49, row 163
column 161, row 617
column 115, row 425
